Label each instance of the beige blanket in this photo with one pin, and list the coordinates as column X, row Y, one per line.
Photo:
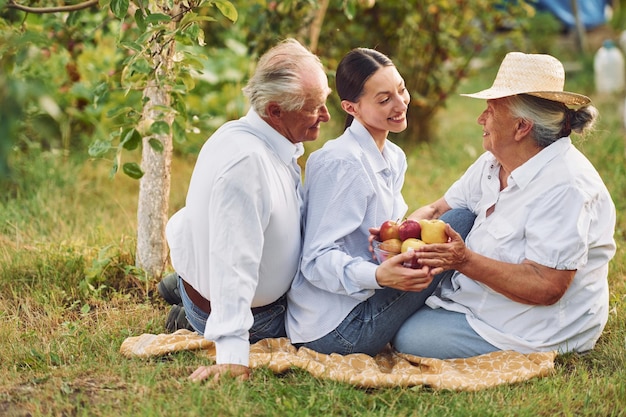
column 387, row 369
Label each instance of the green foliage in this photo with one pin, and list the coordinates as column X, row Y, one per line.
column 77, row 80
column 145, row 34
column 45, row 87
column 103, row 60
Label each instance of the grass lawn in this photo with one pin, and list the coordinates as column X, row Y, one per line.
column 69, row 296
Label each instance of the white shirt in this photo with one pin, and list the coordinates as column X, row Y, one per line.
column 555, row 211
column 237, row 241
column 350, row 186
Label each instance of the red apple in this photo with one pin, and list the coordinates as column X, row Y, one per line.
column 388, row 230
column 409, row 229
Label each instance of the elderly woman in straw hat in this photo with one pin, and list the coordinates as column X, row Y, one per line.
column 532, row 273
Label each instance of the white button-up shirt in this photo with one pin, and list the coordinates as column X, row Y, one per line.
column 350, row 186
column 237, row 241
column 555, row 211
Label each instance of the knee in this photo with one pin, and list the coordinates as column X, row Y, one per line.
column 410, row 336
column 461, row 220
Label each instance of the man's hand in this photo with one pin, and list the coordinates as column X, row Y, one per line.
column 218, row 371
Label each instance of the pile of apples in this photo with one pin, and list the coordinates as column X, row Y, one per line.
column 399, row 236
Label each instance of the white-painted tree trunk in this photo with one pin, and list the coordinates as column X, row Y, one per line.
column 154, row 186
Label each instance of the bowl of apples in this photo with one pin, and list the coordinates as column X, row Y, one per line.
column 400, row 236
column 386, row 249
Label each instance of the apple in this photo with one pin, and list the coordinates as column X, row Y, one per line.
column 409, row 229
column 412, row 243
column 391, row 245
column 388, row 230
column 433, row 231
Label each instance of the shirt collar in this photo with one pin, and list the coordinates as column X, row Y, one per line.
column 366, row 142
column 283, row 147
column 523, row 174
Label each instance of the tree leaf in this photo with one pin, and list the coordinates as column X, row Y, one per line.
column 157, row 18
column 191, row 17
column 179, row 132
column 99, row 148
column 132, row 45
column 133, row 170
column 141, row 66
column 119, row 8
column 156, row 144
column 140, row 20
column 227, row 9
column 130, row 139
column 100, row 92
column 160, row 128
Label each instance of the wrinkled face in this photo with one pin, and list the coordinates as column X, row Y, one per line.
column 304, row 125
column 383, row 105
column 499, row 126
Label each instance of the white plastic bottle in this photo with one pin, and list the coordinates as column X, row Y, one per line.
column 608, row 68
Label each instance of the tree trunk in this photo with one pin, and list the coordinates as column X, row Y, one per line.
column 316, row 25
column 154, row 186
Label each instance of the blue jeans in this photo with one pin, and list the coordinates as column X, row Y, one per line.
column 373, row 323
column 268, row 323
column 441, row 334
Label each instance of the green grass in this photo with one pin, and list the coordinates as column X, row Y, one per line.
column 69, row 296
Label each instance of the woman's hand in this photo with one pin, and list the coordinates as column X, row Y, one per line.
column 393, row 274
column 374, row 233
column 441, row 257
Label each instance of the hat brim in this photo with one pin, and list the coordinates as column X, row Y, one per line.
column 565, row 97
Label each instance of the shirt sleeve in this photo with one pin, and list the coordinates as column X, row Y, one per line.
column 238, row 215
column 338, row 195
column 561, row 244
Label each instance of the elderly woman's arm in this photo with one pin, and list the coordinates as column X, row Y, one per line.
column 528, row 282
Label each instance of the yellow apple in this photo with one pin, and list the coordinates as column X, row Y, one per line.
column 411, row 243
column 391, row 245
column 433, row 231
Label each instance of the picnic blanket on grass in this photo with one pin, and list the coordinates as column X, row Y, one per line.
column 387, row 369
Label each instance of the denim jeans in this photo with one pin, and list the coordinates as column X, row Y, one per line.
column 441, row 334
column 268, row 323
column 373, row 323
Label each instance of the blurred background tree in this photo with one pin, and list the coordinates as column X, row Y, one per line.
column 62, row 73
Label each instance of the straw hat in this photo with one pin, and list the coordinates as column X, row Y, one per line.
column 535, row 74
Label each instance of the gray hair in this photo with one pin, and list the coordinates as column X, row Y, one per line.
column 552, row 120
column 278, row 77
